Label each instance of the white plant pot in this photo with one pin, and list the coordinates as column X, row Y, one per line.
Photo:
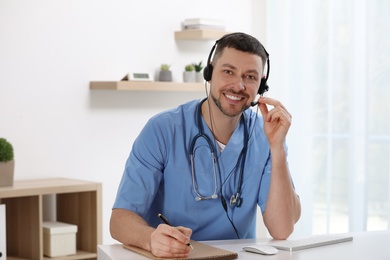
column 199, row 77
column 189, row 76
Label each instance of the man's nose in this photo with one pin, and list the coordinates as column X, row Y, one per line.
column 239, row 83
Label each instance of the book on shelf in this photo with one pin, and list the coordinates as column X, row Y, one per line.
column 204, row 27
column 203, row 21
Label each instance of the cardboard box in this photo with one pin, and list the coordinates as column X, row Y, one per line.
column 59, row 239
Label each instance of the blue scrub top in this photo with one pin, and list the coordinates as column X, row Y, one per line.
column 157, row 176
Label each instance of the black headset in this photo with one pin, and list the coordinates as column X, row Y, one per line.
column 208, row 70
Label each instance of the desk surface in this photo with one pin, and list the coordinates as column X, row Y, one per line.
column 365, row 245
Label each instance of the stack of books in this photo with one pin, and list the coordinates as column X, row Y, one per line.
column 203, row 23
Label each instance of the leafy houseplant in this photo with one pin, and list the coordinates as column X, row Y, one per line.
column 165, row 67
column 165, row 73
column 198, row 71
column 198, row 66
column 189, row 67
column 189, row 73
column 7, row 163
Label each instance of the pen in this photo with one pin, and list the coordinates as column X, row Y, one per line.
column 165, row 220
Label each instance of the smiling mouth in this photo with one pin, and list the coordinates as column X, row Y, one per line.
column 233, row 98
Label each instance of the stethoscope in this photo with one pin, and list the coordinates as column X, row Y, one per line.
column 235, row 199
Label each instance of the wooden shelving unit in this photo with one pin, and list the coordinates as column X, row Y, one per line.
column 77, row 202
column 146, row 86
column 199, row 34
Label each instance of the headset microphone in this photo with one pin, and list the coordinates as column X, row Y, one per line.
column 254, row 103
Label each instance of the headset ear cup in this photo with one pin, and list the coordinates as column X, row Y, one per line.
column 263, row 86
column 208, row 72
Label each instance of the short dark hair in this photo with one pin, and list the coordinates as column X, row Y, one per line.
column 241, row 42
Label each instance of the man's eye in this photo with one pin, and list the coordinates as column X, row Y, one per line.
column 228, row 72
column 251, row 77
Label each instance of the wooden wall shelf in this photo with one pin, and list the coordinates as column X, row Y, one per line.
column 77, row 202
column 157, row 85
column 199, row 34
column 146, row 86
column 163, row 86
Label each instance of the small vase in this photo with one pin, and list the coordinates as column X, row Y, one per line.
column 199, row 77
column 165, row 75
column 189, row 76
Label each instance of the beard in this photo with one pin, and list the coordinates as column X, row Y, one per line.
column 226, row 111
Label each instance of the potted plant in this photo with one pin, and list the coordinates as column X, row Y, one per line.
column 165, row 73
column 198, row 71
column 189, row 73
column 7, row 163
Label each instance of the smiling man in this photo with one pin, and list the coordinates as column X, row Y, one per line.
column 207, row 165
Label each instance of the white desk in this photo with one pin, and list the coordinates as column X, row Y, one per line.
column 365, row 246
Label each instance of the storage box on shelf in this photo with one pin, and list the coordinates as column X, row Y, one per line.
column 59, row 239
column 3, row 249
column 77, row 202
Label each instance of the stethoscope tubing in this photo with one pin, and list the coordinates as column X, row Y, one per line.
column 236, row 199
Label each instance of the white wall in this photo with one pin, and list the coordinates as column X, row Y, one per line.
column 50, row 50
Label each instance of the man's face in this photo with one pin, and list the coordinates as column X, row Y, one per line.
column 235, row 81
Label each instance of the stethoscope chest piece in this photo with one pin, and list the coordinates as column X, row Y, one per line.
column 235, row 200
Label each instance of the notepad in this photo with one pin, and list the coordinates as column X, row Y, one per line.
column 310, row 242
column 200, row 251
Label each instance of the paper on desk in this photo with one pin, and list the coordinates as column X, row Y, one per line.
column 200, row 251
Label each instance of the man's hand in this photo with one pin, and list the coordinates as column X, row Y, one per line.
column 131, row 229
column 277, row 121
column 167, row 241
